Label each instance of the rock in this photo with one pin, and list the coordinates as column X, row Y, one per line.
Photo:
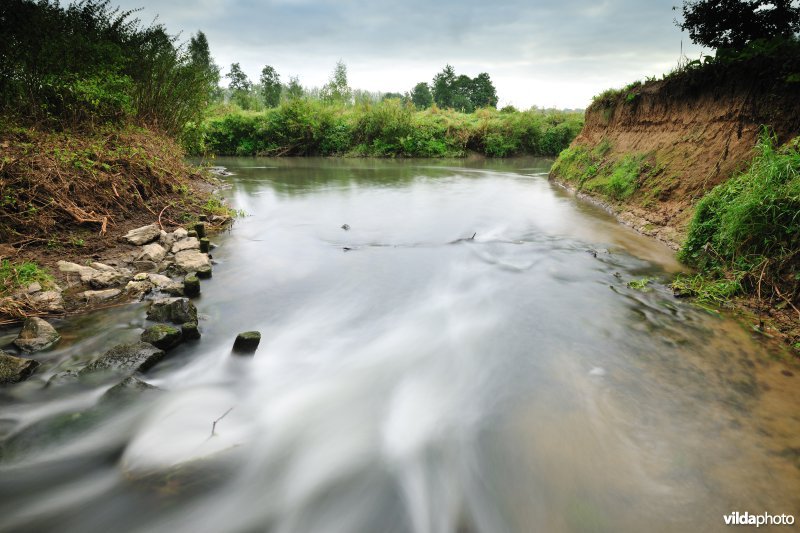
column 34, row 287
column 48, row 301
column 85, row 272
column 106, row 278
column 191, row 286
column 103, row 267
column 94, row 297
column 200, row 229
column 204, row 272
column 145, row 266
column 36, row 335
column 126, row 358
column 139, row 287
column 143, row 235
column 205, row 245
column 15, row 369
column 166, row 240
column 191, row 260
column 173, row 289
column 189, row 243
column 175, row 310
column 179, row 234
column 162, row 336
column 246, row 342
column 220, row 219
column 152, row 252
column 141, row 276
column 127, row 388
column 190, row 330
column 159, row 280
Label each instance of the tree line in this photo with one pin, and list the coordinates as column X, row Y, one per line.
column 447, row 90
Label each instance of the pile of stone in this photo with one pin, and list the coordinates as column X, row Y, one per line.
column 157, row 266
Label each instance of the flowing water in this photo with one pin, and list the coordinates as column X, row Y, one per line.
column 412, row 378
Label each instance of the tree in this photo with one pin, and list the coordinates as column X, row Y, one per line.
column 239, row 85
column 337, row 89
column 270, row 86
column 733, row 24
column 239, row 80
column 200, row 60
column 294, row 90
column 443, row 87
column 421, row 95
column 483, row 92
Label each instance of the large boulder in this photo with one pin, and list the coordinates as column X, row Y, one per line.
column 191, row 260
column 175, row 310
column 15, row 369
column 152, row 252
column 36, row 335
column 162, row 336
column 126, row 359
column 143, row 235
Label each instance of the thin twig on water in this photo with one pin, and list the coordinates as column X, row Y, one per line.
column 214, row 424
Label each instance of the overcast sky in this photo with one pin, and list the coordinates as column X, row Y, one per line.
column 545, row 53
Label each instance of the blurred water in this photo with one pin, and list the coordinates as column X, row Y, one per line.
column 420, row 381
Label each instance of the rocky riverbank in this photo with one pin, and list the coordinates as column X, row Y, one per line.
column 151, row 263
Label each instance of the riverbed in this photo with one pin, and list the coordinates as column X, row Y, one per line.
column 447, row 346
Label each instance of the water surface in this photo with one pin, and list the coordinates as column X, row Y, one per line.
column 414, row 378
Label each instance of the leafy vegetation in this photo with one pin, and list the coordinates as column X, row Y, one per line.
column 387, row 128
column 617, row 179
column 734, row 24
column 747, row 229
column 88, row 63
column 642, row 285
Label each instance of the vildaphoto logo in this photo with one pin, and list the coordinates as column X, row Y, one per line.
column 764, row 519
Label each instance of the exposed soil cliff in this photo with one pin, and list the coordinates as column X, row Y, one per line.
column 653, row 150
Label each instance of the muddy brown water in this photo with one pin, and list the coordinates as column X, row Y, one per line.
column 412, row 378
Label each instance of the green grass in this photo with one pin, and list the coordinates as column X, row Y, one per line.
column 593, row 171
column 751, row 224
column 642, row 284
column 708, row 290
column 14, row 276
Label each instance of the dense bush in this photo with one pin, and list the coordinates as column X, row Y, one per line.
column 387, row 128
column 87, row 63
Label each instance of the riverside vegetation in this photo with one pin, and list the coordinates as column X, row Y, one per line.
column 736, row 207
column 386, row 128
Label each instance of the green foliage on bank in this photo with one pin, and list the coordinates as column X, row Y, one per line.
column 87, row 63
column 389, row 128
column 589, row 170
column 747, row 230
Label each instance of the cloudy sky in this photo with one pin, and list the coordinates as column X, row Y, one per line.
column 545, row 53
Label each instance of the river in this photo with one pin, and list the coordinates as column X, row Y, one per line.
column 412, row 378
